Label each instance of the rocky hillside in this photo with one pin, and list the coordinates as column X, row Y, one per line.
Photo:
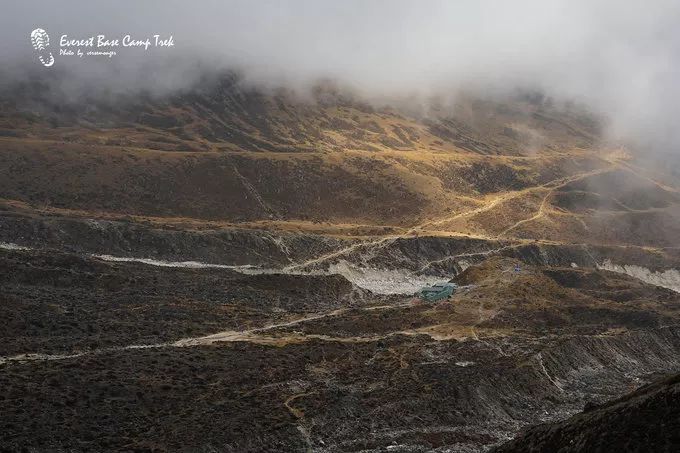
column 132, row 356
column 645, row 420
column 232, row 269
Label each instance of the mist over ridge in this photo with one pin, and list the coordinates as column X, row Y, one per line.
column 620, row 60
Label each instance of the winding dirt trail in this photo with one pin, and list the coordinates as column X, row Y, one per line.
column 251, row 335
column 540, row 213
column 257, row 336
column 544, row 202
column 373, row 246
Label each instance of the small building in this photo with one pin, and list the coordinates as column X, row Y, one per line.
column 438, row 291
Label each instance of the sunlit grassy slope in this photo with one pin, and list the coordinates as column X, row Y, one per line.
column 522, row 167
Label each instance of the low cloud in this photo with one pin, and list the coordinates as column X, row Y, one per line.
column 623, row 60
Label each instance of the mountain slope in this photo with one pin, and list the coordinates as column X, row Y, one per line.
column 515, row 167
column 645, row 420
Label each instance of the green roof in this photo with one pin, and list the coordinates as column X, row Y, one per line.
column 437, row 291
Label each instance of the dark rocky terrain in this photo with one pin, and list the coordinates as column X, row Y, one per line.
column 118, row 358
column 645, row 420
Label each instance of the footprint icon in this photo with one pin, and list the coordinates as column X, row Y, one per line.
column 41, row 40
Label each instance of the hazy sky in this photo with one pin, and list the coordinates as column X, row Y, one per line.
column 622, row 58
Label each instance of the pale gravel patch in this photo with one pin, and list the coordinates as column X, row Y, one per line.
column 669, row 278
